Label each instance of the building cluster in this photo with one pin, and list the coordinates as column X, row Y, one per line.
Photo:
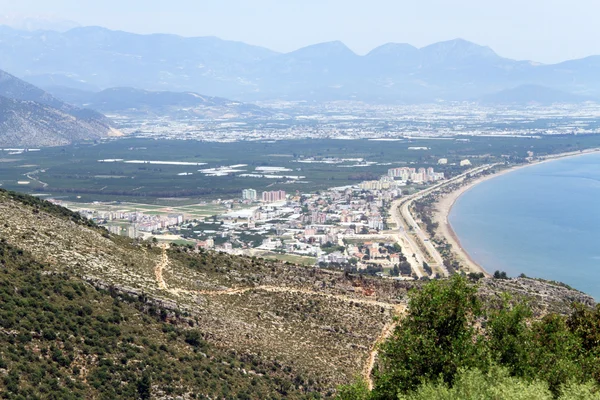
column 250, row 196
column 273, row 196
column 384, row 183
column 421, row 175
column 136, row 222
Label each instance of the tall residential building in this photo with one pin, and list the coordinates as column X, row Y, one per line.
column 132, row 231
column 271, row 197
column 420, row 175
column 249, row 194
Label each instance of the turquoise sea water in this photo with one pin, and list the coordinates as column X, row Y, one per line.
column 542, row 220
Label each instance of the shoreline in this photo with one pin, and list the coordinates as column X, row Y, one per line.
column 444, row 206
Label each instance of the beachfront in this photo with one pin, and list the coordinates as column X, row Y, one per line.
column 446, row 201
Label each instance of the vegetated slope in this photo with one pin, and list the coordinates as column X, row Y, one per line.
column 131, row 101
column 31, row 117
column 297, row 331
column 316, row 325
column 62, row 338
column 452, row 345
column 98, row 58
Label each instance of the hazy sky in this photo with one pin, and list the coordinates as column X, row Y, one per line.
column 540, row 30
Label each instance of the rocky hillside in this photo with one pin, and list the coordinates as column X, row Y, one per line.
column 118, row 317
column 30, row 117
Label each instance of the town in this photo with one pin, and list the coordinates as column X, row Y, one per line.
column 343, row 227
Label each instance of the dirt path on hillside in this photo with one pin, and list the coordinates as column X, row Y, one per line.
column 280, row 289
column 160, row 266
column 398, row 310
column 386, row 332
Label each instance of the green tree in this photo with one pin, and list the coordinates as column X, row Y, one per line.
column 436, row 338
column 144, row 386
column 356, row 391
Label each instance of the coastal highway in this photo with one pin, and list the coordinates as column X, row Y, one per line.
column 401, row 215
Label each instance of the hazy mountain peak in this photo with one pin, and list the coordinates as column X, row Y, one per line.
column 326, row 49
column 457, row 50
column 394, row 49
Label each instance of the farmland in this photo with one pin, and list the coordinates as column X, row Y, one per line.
column 178, row 173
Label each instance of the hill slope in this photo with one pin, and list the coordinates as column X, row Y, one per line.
column 30, row 124
column 63, row 338
column 95, row 310
column 30, row 117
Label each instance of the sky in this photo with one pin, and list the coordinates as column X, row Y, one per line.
column 547, row 31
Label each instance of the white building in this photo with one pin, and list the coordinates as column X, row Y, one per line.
column 249, row 194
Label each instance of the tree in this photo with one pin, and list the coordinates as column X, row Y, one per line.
column 496, row 384
column 500, row 275
column 144, row 386
column 436, row 338
column 356, row 391
column 475, row 276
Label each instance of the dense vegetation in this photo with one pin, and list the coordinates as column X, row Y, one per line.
column 453, row 346
column 60, row 338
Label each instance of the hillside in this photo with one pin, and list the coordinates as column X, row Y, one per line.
column 94, row 58
column 138, row 102
column 31, row 117
column 30, row 124
column 182, row 322
column 60, row 337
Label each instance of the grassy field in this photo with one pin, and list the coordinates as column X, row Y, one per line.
column 74, row 172
column 292, row 258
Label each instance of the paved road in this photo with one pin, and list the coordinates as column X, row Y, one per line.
column 400, row 212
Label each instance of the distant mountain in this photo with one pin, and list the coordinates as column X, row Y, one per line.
column 143, row 102
column 533, row 94
column 105, row 59
column 30, row 124
column 94, row 58
column 31, row 117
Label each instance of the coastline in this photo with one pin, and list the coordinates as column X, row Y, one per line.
column 444, row 206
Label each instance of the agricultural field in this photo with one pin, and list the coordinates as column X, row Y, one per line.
column 177, row 173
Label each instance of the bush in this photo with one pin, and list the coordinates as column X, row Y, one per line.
column 449, row 344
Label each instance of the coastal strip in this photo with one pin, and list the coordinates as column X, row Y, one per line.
column 444, row 205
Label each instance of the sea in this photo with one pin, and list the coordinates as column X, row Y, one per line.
column 542, row 221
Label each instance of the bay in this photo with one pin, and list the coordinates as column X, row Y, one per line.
column 542, row 220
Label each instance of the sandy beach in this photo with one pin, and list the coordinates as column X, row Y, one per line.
column 445, row 204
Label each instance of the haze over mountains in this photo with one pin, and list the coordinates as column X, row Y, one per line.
column 139, row 102
column 94, row 58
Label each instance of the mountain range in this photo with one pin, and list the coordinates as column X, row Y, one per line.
column 31, row 117
column 94, row 58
